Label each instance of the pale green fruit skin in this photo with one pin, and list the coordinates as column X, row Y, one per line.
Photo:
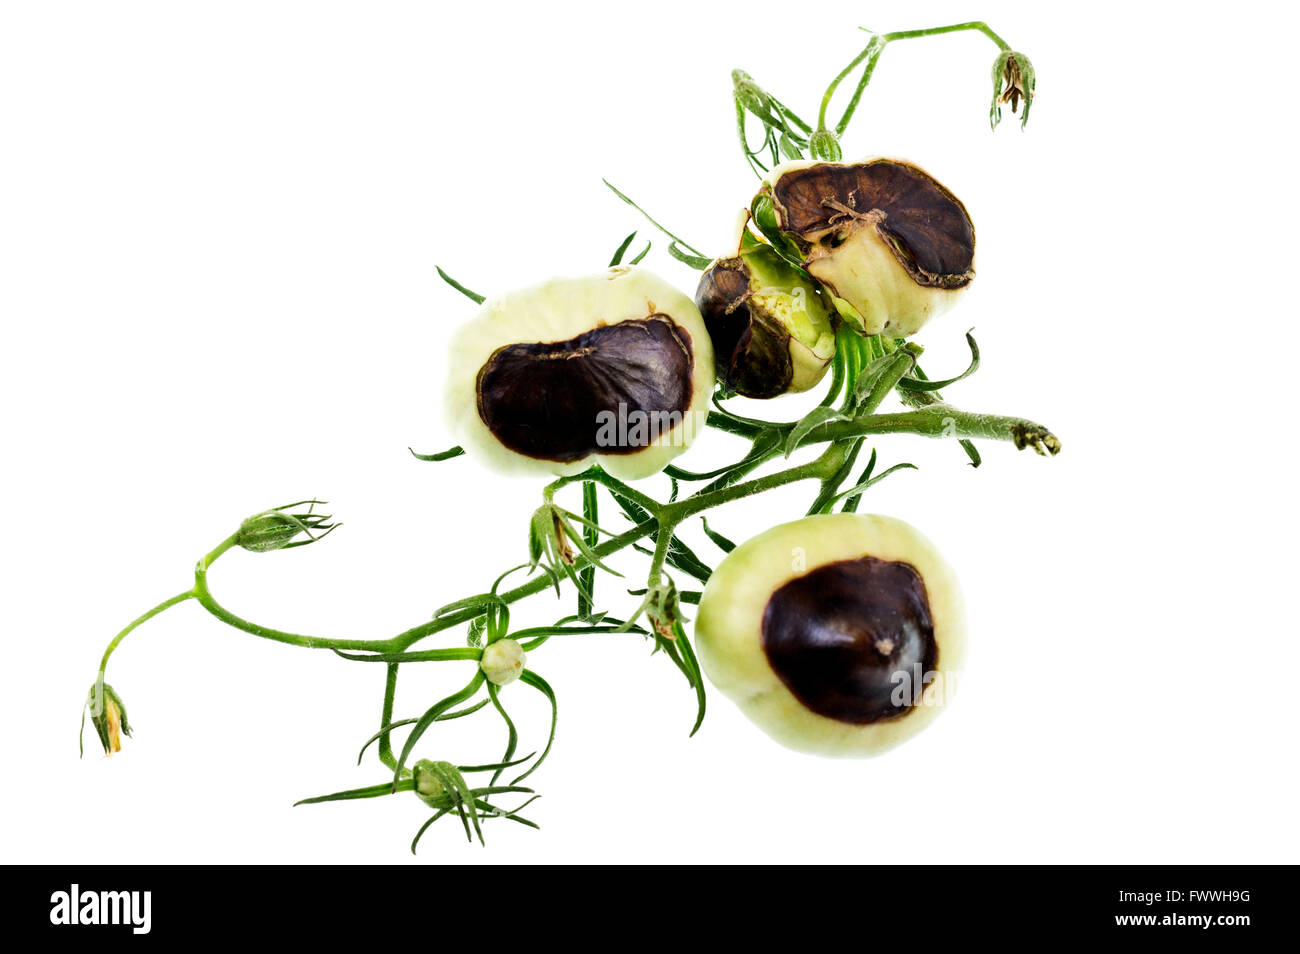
column 558, row 310
column 728, row 628
column 503, row 661
column 812, row 342
column 882, row 298
column 866, row 275
column 427, row 784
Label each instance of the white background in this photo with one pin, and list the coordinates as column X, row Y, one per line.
column 218, row 227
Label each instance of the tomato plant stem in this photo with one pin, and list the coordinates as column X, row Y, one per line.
column 943, row 421
column 871, row 55
column 142, row 618
column 663, row 540
column 937, row 420
column 590, row 533
column 209, row 603
column 386, row 718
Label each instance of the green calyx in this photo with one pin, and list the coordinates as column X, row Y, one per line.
column 825, row 145
column 433, row 779
column 785, row 136
column 108, row 716
column 443, row 787
column 502, row 661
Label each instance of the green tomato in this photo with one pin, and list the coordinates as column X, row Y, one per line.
column 890, row 243
column 614, row 369
column 503, row 661
column 773, row 330
column 838, row 634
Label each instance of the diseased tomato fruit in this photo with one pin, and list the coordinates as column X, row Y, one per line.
column 773, row 331
column 838, row 634
column 616, row 368
column 890, row 243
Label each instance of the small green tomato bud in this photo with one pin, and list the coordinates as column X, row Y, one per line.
column 276, row 529
column 427, row 783
column 748, row 93
column 268, row 531
column 825, row 145
column 662, row 608
column 502, row 661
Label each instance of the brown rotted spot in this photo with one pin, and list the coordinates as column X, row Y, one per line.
column 847, row 637
column 925, row 226
column 550, row 400
column 751, row 351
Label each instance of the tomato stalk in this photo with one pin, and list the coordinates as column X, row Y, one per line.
column 860, row 391
column 786, row 136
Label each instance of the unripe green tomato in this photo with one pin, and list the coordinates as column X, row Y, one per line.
column 502, row 662
column 838, row 634
column 891, row 244
column 615, row 369
column 773, row 330
column 427, row 783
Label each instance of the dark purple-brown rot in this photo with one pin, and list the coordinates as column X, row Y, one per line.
column 840, row 635
column 547, row 400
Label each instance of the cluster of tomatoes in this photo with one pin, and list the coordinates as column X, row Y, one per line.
column 839, row 633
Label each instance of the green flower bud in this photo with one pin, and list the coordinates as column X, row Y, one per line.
column 108, row 716
column 276, row 529
column 825, row 145
column 427, row 782
column 268, row 531
column 662, row 608
column 1013, row 80
column 548, row 538
column 749, row 95
column 502, row 661
column 773, row 329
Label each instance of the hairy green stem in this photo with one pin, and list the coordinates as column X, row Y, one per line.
column 872, row 55
column 953, row 28
column 535, row 585
column 937, row 420
column 830, row 487
column 665, row 515
column 142, row 618
column 872, row 51
column 663, row 540
column 209, row 602
column 818, row 469
column 590, row 533
column 940, row 420
column 732, row 424
column 386, row 718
